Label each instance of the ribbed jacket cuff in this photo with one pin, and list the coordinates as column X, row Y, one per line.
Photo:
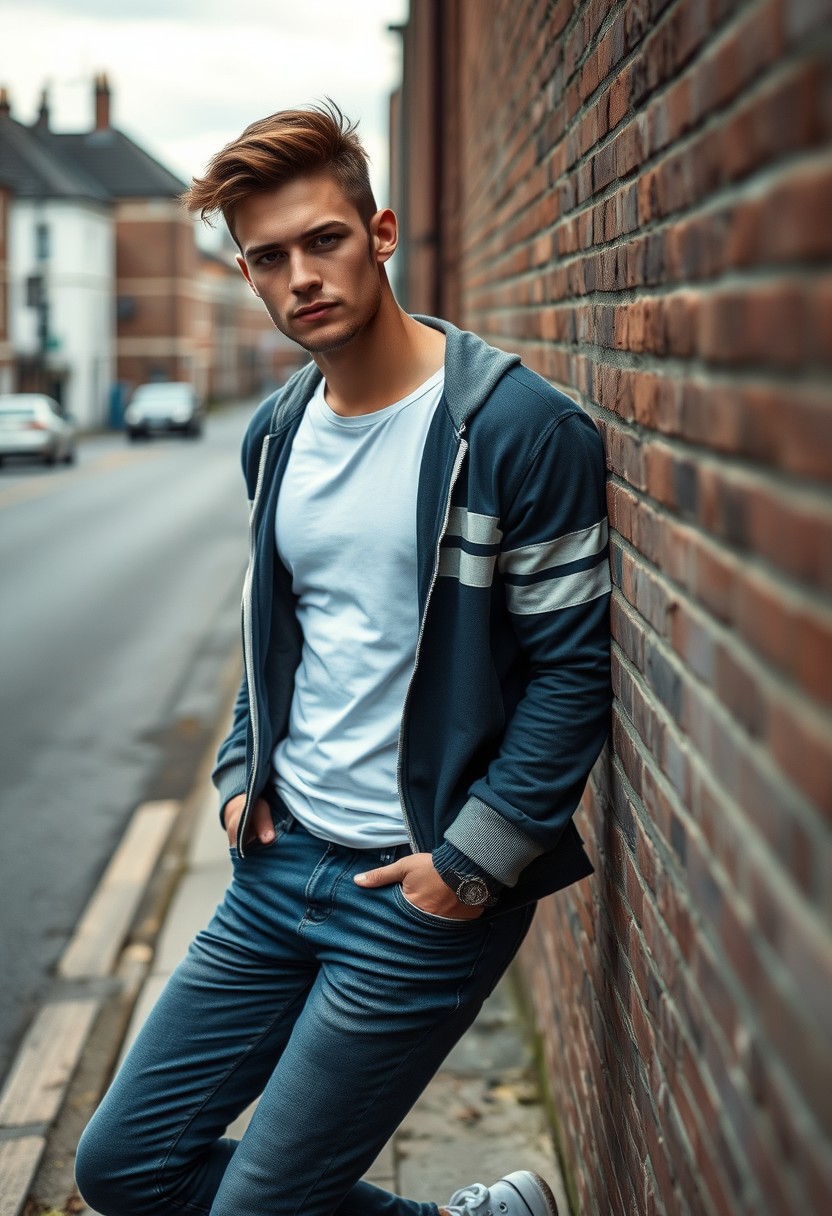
column 447, row 857
column 491, row 842
column 230, row 781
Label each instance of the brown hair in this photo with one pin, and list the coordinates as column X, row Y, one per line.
column 277, row 149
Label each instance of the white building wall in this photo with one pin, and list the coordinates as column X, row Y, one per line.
column 79, row 273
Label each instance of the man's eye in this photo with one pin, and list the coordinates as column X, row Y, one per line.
column 326, row 240
column 268, row 259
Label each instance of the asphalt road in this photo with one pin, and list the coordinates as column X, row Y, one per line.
column 120, row 584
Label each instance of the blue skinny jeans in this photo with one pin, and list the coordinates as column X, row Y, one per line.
column 333, row 1004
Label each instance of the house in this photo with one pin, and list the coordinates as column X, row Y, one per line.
column 156, row 255
column 6, row 355
column 60, row 264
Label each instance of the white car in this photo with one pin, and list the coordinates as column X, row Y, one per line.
column 166, row 406
column 31, row 425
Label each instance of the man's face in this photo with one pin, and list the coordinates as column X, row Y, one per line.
column 311, row 260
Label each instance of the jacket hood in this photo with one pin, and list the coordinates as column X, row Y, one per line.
column 472, row 369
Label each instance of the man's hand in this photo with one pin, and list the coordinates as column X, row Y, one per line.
column 260, row 826
column 421, row 885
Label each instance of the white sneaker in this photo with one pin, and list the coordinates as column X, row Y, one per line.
column 519, row 1194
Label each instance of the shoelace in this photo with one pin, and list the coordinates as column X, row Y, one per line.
column 470, row 1201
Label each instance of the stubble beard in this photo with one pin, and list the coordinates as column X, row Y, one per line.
column 323, row 346
column 337, row 341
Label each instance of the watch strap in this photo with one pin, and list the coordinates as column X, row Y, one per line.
column 454, row 867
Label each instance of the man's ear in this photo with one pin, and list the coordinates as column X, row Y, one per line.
column 384, row 234
column 241, row 262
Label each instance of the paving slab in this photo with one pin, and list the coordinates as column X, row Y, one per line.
column 18, row 1161
column 383, row 1170
column 481, row 1116
column 467, row 1129
column 209, row 844
column 196, row 897
column 149, row 995
column 95, row 944
column 45, row 1062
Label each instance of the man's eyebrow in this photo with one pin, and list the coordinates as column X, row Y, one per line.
column 325, row 226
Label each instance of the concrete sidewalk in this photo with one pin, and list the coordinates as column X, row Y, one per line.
column 479, row 1118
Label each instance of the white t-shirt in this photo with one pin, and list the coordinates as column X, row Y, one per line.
column 345, row 528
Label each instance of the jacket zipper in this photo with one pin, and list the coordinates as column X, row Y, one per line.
column 247, row 643
column 460, row 456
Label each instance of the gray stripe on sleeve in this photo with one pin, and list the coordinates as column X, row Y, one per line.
column 552, row 594
column 534, row 559
column 479, row 529
column 472, row 569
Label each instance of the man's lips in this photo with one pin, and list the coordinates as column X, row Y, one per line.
column 311, row 312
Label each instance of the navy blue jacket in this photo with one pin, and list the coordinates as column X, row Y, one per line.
column 508, row 706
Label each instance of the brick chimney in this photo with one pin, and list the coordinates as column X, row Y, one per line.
column 102, row 102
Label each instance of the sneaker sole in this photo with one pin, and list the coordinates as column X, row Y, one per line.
column 531, row 1187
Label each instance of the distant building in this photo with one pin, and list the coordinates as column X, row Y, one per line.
column 156, row 255
column 60, row 262
column 6, row 355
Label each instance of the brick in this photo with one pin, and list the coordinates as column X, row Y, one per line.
column 741, row 691
column 800, row 743
column 803, row 17
column 766, row 619
column 767, row 327
column 787, row 430
column 624, row 453
column 754, row 515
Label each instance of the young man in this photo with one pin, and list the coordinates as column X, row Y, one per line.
column 426, row 689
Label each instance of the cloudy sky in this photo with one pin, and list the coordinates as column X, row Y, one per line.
column 188, row 75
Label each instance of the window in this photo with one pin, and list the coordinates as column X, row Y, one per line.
column 42, row 242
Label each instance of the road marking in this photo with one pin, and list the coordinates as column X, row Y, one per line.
column 43, row 486
column 46, row 1061
column 18, row 1161
column 99, row 935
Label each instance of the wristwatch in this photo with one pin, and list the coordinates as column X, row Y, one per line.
column 470, row 889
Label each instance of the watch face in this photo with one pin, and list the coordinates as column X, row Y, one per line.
column 472, row 891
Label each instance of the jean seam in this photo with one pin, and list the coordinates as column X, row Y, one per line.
column 305, row 920
column 333, row 895
column 159, row 1183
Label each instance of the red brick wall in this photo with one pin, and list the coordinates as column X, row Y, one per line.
column 636, row 197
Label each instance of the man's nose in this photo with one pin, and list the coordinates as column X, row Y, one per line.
column 303, row 274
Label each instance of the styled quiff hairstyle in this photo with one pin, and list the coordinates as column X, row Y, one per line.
column 278, row 149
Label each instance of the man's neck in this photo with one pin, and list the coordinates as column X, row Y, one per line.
column 390, row 358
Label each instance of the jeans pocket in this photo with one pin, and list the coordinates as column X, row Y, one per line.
column 432, row 918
